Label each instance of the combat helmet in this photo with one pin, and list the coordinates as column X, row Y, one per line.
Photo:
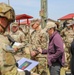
column 69, row 23
column 7, row 12
column 14, row 24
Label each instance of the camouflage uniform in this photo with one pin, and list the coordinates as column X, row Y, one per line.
column 25, row 30
column 68, row 36
column 19, row 36
column 7, row 61
column 39, row 39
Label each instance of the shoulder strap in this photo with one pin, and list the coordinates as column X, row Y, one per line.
column 33, row 32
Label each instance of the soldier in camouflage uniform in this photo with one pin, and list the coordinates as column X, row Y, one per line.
column 7, row 60
column 68, row 35
column 19, row 36
column 39, row 39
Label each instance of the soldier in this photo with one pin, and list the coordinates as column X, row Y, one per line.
column 39, row 39
column 67, row 35
column 18, row 35
column 7, row 60
column 38, row 36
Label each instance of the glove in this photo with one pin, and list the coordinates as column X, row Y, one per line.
column 27, row 72
column 16, row 64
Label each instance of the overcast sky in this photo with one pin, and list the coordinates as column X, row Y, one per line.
column 56, row 8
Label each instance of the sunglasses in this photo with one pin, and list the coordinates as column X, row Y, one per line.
column 48, row 29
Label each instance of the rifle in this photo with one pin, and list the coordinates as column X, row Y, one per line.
column 13, row 41
column 10, row 39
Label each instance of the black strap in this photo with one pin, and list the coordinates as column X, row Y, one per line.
column 33, row 32
column 2, row 26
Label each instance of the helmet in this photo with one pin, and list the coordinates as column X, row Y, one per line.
column 7, row 12
column 50, row 25
column 69, row 23
column 14, row 24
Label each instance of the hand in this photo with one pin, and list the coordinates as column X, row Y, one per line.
column 15, row 49
column 27, row 72
column 16, row 64
column 39, row 49
column 33, row 53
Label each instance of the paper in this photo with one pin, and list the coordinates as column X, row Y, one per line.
column 26, row 64
column 9, row 48
column 16, row 44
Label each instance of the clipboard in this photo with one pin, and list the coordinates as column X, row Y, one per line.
column 26, row 64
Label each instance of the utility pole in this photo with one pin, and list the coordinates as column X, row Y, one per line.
column 8, row 2
column 43, row 13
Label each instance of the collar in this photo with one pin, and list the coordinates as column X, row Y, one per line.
column 53, row 35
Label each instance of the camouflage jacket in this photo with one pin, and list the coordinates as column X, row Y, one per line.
column 38, row 38
column 7, row 61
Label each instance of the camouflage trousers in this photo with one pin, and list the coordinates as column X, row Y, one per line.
column 13, row 71
column 42, row 66
column 67, row 59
